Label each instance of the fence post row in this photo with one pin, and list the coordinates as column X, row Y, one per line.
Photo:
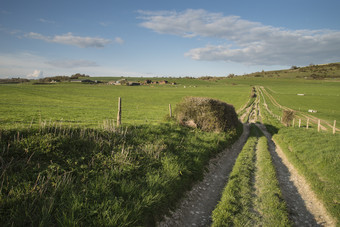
column 119, row 114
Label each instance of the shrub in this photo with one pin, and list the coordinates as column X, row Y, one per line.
column 206, row 114
column 287, row 117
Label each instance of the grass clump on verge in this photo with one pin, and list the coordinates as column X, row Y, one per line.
column 207, row 114
column 94, row 177
column 318, row 162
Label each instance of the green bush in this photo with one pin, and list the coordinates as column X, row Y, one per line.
column 207, row 114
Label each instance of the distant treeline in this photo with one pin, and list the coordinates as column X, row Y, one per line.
column 43, row 80
column 13, row 81
column 61, row 78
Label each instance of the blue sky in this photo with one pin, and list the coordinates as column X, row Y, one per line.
column 41, row 38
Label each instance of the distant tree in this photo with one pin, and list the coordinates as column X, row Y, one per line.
column 231, row 75
column 294, row 67
column 77, row 75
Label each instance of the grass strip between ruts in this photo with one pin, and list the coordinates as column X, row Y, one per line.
column 269, row 203
column 236, row 202
column 245, row 203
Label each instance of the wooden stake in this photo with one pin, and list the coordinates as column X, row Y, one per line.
column 307, row 123
column 170, row 112
column 119, row 114
column 319, row 125
column 293, row 122
column 334, row 126
column 299, row 122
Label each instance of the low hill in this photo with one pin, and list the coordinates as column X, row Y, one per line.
column 331, row 70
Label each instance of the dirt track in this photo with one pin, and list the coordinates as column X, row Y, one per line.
column 198, row 204
column 303, row 207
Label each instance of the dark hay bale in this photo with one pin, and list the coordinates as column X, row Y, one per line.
column 206, row 114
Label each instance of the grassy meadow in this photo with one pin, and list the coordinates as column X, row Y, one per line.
column 64, row 162
column 68, row 176
column 89, row 105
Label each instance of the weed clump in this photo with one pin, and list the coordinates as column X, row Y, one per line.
column 207, row 114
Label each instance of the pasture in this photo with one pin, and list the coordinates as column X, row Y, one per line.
column 53, row 144
column 89, row 105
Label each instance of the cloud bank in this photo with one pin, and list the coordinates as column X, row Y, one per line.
column 71, row 39
column 246, row 41
column 72, row 63
column 36, row 74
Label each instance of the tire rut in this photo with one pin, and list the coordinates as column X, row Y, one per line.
column 197, row 206
column 303, row 207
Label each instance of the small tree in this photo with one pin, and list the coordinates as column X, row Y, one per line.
column 287, row 117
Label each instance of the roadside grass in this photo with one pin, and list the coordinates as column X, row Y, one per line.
column 316, row 156
column 128, row 176
column 252, row 196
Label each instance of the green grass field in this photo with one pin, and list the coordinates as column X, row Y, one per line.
column 57, row 140
column 63, row 176
column 88, row 105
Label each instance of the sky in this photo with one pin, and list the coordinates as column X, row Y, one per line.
column 177, row 38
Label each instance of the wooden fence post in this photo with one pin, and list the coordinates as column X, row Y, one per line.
column 170, row 111
column 299, row 122
column 319, row 125
column 334, row 126
column 307, row 123
column 293, row 122
column 119, row 114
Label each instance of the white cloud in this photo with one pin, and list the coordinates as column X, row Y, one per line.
column 104, row 24
column 248, row 42
column 46, row 21
column 70, row 39
column 36, row 74
column 72, row 63
column 119, row 40
column 26, row 64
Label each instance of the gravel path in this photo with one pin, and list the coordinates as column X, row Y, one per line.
column 303, row 206
column 198, row 204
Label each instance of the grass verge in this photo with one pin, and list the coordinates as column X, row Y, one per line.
column 88, row 177
column 318, row 162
